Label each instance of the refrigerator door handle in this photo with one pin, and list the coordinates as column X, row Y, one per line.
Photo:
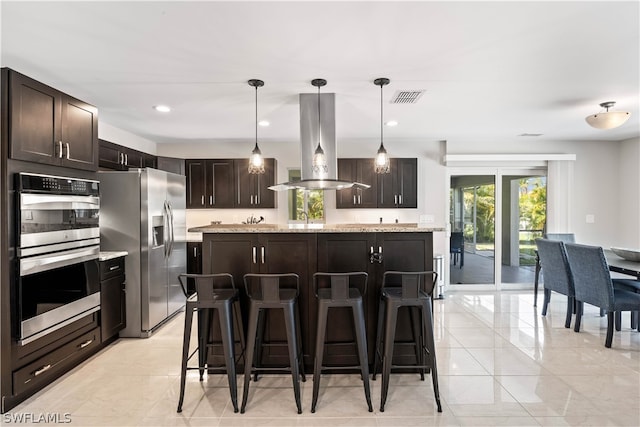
column 172, row 234
column 165, row 231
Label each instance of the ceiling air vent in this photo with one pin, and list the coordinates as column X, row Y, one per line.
column 406, row 96
column 530, row 134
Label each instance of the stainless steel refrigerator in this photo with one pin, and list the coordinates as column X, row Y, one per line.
column 142, row 211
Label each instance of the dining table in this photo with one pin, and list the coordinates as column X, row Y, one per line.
column 616, row 264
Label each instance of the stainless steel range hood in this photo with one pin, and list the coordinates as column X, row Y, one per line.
column 308, row 142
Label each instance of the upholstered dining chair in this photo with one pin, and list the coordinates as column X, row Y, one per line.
column 456, row 247
column 563, row 237
column 593, row 285
column 556, row 273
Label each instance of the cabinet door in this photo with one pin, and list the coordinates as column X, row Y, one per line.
column 109, row 155
column 171, row 164
column 79, row 134
column 194, row 263
column 133, row 159
column 252, row 190
column 387, row 196
column 195, row 184
column 34, row 120
column 289, row 253
column 112, row 306
column 219, row 183
column 341, row 253
column 407, row 183
column 346, row 198
column 150, row 161
column 365, row 174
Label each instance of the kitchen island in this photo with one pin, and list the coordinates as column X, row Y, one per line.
column 266, row 248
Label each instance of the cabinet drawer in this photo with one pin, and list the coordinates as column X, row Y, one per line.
column 51, row 365
column 111, row 268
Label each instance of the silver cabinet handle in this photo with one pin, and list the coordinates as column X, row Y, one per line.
column 354, row 200
column 68, row 150
column 211, row 199
column 42, row 370
column 126, row 159
column 251, row 199
column 86, row 343
column 254, row 255
column 400, row 199
column 359, row 199
column 59, row 149
column 202, row 200
column 262, row 253
column 114, row 267
column 380, row 249
column 195, row 252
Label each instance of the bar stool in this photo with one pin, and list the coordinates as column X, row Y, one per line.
column 271, row 293
column 413, row 290
column 340, row 294
column 214, row 293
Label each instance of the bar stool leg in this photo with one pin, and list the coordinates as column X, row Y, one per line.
column 237, row 313
column 361, row 338
column 378, row 351
column 292, row 339
column 226, row 333
column 188, row 319
column 299, row 335
column 387, row 355
column 323, row 310
column 431, row 347
column 251, row 343
column 416, row 325
column 259, row 339
column 205, row 319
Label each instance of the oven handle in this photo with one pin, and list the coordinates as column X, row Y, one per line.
column 39, row 263
column 62, row 201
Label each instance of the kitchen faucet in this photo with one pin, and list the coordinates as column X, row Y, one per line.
column 306, row 216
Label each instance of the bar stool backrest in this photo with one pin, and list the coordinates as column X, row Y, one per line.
column 411, row 282
column 340, row 283
column 269, row 285
column 207, row 284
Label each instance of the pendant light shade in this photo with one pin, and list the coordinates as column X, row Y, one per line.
column 319, row 164
column 608, row 119
column 256, row 162
column 382, row 162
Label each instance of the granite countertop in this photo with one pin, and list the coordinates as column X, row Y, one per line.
column 314, row 228
column 107, row 255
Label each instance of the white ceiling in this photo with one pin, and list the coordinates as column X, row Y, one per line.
column 491, row 70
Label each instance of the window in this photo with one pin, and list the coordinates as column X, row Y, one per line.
column 301, row 202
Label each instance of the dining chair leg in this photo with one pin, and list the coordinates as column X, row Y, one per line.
column 536, row 281
column 610, row 325
column 567, row 320
column 545, row 303
column 579, row 309
column 618, row 320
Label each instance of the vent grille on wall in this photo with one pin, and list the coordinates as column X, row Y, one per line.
column 406, row 96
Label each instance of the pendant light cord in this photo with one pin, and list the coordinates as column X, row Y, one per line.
column 381, row 119
column 319, row 128
column 256, row 116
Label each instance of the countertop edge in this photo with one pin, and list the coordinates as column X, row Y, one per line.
column 107, row 255
column 351, row 229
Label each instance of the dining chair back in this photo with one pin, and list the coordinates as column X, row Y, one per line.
column 593, row 285
column 456, row 247
column 563, row 237
column 556, row 273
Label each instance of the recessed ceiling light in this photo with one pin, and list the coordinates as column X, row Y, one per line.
column 162, row 108
column 263, row 123
column 392, row 123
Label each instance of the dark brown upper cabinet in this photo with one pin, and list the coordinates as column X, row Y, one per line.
column 226, row 183
column 117, row 157
column 399, row 188
column 358, row 170
column 396, row 189
column 48, row 126
column 252, row 191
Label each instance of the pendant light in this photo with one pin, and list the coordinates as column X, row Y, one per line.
column 256, row 162
column 382, row 162
column 608, row 119
column 319, row 165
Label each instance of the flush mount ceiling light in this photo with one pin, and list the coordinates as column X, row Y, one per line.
column 162, row 108
column 319, row 164
column 608, row 119
column 383, row 163
column 256, row 162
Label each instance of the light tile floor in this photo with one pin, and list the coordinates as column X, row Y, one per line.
column 500, row 363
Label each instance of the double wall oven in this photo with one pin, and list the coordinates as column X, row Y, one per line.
column 58, row 245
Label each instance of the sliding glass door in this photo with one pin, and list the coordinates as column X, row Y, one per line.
column 495, row 214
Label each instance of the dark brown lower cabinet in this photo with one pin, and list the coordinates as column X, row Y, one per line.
column 112, row 298
column 307, row 253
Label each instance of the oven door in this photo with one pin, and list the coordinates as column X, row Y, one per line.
column 54, row 218
column 55, row 290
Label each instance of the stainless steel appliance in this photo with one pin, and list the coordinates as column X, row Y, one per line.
column 58, row 244
column 143, row 213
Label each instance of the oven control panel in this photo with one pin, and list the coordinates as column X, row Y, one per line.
column 36, row 183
